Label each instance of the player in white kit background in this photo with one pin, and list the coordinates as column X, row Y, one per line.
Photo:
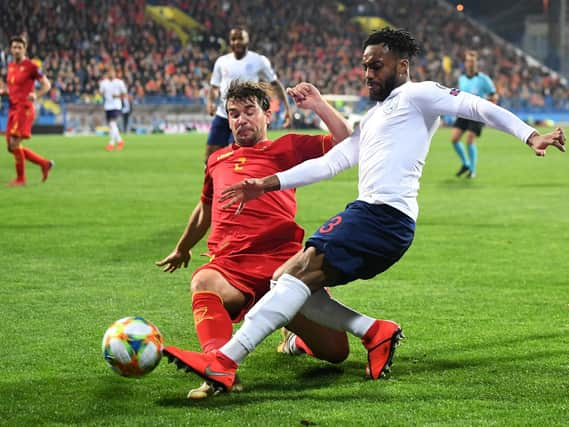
column 373, row 232
column 244, row 65
column 113, row 91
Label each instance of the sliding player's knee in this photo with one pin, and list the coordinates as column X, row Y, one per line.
column 199, row 284
column 12, row 146
column 335, row 350
column 339, row 351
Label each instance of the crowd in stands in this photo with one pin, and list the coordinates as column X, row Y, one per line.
column 305, row 40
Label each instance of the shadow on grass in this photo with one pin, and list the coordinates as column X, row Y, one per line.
column 300, row 384
column 348, row 379
column 64, row 400
column 459, row 183
column 494, row 356
column 498, row 341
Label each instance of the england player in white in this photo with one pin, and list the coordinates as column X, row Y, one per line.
column 113, row 91
column 374, row 231
column 244, row 65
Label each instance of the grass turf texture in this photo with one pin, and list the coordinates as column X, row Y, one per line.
column 482, row 295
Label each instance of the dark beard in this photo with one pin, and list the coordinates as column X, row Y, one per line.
column 381, row 94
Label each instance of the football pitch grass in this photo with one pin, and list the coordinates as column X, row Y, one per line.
column 482, row 295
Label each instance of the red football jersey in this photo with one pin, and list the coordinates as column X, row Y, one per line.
column 20, row 80
column 269, row 220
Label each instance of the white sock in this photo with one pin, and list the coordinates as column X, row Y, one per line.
column 114, row 131
column 275, row 309
column 326, row 311
column 112, row 140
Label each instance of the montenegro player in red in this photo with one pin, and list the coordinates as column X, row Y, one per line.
column 246, row 249
column 21, row 78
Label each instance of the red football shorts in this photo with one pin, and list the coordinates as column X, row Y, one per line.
column 251, row 273
column 20, row 121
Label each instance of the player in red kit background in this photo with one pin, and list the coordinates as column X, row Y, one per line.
column 246, row 249
column 21, row 78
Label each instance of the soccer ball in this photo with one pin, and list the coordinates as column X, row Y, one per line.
column 132, row 346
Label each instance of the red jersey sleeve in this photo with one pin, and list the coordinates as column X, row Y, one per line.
column 207, row 190
column 35, row 71
column 310, row 146
column 305, row 147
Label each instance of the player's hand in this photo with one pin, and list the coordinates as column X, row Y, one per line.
column 175, row 260
column 539, row 143
column 32, row 96
column 305, row 95
column 211, row 109
column 248, row 189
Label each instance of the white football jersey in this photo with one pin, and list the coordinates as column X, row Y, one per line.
column 109, row 89
column 252, row 67
column 393, row 140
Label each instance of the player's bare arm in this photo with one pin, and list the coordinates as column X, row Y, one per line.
column 341, row 157
column 248, row 189
column 198, row 224
column 493, row 98
column 539, row 143
column 45, row 86
column 3, row 89
column 307, row 96
column 279, row 90
column 212, row 97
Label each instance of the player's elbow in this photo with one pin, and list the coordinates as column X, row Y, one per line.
column 340, row 136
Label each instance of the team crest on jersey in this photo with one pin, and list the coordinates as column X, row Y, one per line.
column 454, row 91
column 391, row 105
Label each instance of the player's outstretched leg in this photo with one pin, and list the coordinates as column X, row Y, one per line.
column 381, row 340
column 214, row 367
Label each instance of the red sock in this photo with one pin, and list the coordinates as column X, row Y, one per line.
column 301, row 345
column 212, row 321
column 20, row 158
column 34, row 157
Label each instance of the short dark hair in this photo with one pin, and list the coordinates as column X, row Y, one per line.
column 19, row 39
column 240, row 28
column 399, row 41
column 471, row 53
column 242, row 91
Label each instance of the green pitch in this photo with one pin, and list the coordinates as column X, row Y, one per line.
column 482, row 295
